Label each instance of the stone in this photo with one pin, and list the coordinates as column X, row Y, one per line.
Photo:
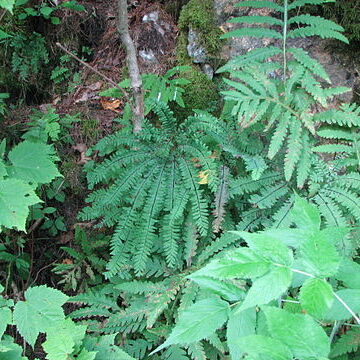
column 195, row 50
column 208, row 70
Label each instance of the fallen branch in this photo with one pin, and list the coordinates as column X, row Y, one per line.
column 112, row 82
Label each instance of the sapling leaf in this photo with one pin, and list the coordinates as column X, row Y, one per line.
column 305, row 338
column 340, row 312
column 198, row 322
column 316, row 297
column 305, row 215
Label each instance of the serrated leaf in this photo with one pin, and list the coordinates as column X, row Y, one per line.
column 305, row 338
column 5, row 319
column 15, row 199
column 267, row 288
column 319, row 255
column 33, row 162
column 338, row 311
column 238, row 263
column 261, row 347
column 316, row 297
column 305, row 215
column 40, row 311
column 7, row 4
column 347, row 343
column 349, row 273
column 198, row 322
column 240, row 324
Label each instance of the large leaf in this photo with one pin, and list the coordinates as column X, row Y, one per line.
column 40, row 312
column 305, row 215
column 338, row 311
column 267, row 288
column 7, row 4
column 316, row 297
column 33, row 162
column 306, row 339
column 15, row 199
column 198, row 322
column 319, row 255
column 240, row 324
column 270, row 248
column 5, row 319
column 349, row 273
column 261, row 347
column 239, row 263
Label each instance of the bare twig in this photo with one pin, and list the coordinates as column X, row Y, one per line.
column 112, row 82
column 131, row 57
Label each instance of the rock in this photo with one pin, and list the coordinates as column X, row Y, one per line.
column 153, row 16
column 148, row 55
column 208, row 70
column 195, row 50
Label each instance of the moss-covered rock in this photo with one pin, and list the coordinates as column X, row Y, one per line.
column 199, row 16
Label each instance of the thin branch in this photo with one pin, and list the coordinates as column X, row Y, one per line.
column 134, row 73
column 112, row 82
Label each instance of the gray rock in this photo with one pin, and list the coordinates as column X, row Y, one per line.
column 196, row 52
column 153, row 16
column 208, row 70
column 148, row 55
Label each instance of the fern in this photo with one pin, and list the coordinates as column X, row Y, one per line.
column 282, row 93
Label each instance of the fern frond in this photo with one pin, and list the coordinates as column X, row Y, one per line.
column 309, row 63
column 315, row 21
column 174, row 353
column 347, row 115
column 279, row 134
column 253, row 32
column 141, row 287
column 257, row 20
column 255, row 55
column 298, row 3
column 199, row 205
column 171, row 236
column 196, row 351
column 294, row 148
column 258, row 4
column 330, row 210
column 324, row 33
column 334, row 148
column 282, row 218
column 221, row 198
column 269, row 196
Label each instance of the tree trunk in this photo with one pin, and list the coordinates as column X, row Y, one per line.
column 131, row 57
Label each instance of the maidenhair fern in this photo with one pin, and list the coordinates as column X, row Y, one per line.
column 153, row 183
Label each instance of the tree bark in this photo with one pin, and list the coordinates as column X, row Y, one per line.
column 131, row 58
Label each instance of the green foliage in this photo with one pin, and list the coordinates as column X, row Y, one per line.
column 280, row 261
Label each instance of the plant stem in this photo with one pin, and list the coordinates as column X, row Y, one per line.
column 284, row 38
column 346, row 306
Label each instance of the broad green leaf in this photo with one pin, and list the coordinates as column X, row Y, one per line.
column 58, row 347
column 240, row 324
column 40, row 312
column 87, row 355
column 15, row 199
column 239, row 263
column 305, row 338
column 290, row 237
column 227, row 289
column 349, row 273
column 261, row 347
column 198, row 322
column 7, row 4
column 5, row 319
column 316, row 297
column 33, row 162
column 3, row 171
column 338, row 311
column 9, row 350
column 319, row 255
column 267, row 288
column 46, row 11
column 305, row 215
column 270, row 248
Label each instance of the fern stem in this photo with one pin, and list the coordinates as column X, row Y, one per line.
column 285, row 29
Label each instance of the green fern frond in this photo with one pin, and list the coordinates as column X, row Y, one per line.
column 298, row 3
column 294, row 149
column 279, row 134
column 257, row 20
column 221, row 198
column 309, row 63
column 141, row 287
column 174, row 353
column 347, row 115
column 269, row 196
column 258, row 4
column 304, row 167
column 315, row 21
column 307, row 31
column 282, row 218
column 330, row 210
column 196, row 351
column 253, row 32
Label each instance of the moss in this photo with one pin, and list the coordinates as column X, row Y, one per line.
column 90, row 129
column 199, row 15
column 201, row 93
